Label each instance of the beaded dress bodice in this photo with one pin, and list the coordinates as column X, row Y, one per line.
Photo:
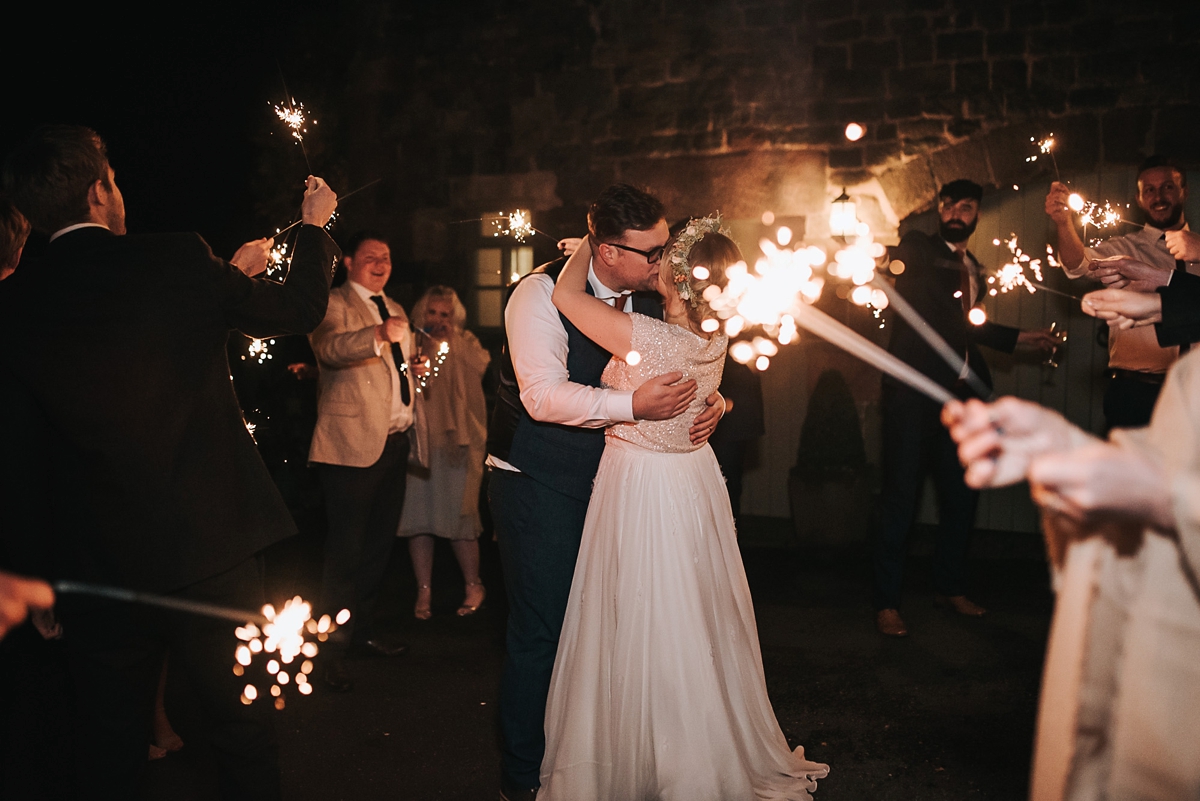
column 666, row 348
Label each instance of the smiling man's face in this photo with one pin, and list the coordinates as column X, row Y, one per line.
column 371, row 265
column 1161, row 194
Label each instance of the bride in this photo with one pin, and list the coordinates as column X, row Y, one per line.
column 658, row 690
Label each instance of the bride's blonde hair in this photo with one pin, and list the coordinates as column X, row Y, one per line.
column 715, row 252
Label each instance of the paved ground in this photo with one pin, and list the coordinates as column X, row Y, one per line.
column 946, row 714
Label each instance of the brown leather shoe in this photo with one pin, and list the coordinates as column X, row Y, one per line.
column 890, row 624
column 961, row 604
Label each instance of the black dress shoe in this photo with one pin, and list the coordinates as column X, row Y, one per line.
column 337, row 677
column 383, row 648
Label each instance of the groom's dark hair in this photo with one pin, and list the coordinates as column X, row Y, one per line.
column 622, row 208
column 48, row 177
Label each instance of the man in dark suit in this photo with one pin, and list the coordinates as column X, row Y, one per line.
column 943, row 282
column 127, row 456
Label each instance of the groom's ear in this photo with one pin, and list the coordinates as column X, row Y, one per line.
column 605, row 252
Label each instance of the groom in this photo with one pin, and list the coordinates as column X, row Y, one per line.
column 544, row 446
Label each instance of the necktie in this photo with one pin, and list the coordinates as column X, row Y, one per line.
column 397, row 354
column 965, row 285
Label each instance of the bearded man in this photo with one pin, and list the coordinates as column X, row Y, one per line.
column 1142, row 260
column 942, row 281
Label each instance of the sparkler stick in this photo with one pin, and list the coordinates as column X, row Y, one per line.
column 932, row 337
column 341, row 200
column 1045, row 146
column 833, row 332
column 293, row 117
column 161, row 601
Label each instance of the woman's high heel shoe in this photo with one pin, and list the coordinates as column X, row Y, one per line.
column 469, row 609
column 422, row 610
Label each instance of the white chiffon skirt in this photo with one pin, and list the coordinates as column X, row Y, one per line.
column 658, row 691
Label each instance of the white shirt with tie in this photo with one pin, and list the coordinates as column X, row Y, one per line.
column 402, row 413
column 537, row 345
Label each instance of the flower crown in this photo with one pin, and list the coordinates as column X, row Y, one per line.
column 681, row 252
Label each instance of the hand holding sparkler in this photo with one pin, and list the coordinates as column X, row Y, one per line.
column 1057, row 206
column 18, row 595
column 1122, row 272
column 998, row 441
column 319, row 202
column 569, row 245
column 1184, row 245
column 393, row 329
column 1124, row 309
column 1042, row 339
column 252, row 257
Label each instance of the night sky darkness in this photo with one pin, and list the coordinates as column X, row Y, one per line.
column 183, row 107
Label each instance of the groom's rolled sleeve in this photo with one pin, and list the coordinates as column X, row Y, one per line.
column 538, row 346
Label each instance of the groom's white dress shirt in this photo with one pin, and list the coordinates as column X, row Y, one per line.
column 537, row 345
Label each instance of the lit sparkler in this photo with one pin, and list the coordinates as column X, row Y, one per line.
column 517, row 224
column 259, row 350
column 278, row 260
column 292, row 115
column 778, row 295
column 433, row 365
column 1045, row 148
column 282, row 634
column 296, row 121
column 1012, row 274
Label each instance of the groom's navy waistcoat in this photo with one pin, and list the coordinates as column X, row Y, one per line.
column 564, row 458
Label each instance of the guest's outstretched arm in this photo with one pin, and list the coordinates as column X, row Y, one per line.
column 610, row 328
column 259, row 307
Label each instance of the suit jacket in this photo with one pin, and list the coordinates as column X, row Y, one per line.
column 1180, row 310
column 125, row 452
column 929, row 282
column 354, row 391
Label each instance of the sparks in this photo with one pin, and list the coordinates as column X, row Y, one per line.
column 1012, row 273
column 516, row 224
column 260, row 350
column 278, row 260
column 1045, row 148
column 433, row 366
column 282, row 636
column 293, row 117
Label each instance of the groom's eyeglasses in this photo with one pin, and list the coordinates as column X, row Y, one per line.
column 651, row 256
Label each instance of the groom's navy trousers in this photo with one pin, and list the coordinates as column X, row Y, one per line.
column 538, row 530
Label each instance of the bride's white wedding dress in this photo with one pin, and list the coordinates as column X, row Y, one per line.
column 658, row 691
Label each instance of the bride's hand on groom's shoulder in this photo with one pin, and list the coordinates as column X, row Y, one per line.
column 569, row 245
column 706, row 421
column 661, row 398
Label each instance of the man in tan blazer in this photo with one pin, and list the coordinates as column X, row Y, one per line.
column 365, row 411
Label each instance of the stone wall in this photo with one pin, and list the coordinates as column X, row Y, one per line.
column 741, row 104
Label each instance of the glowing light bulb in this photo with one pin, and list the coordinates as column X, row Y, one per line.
column 633, row 358
column 342, row 617
column 700, row 273
column 710, row 325
column 1075, row 202
column 855, row 131
column 977, row 316
column 762, row 363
